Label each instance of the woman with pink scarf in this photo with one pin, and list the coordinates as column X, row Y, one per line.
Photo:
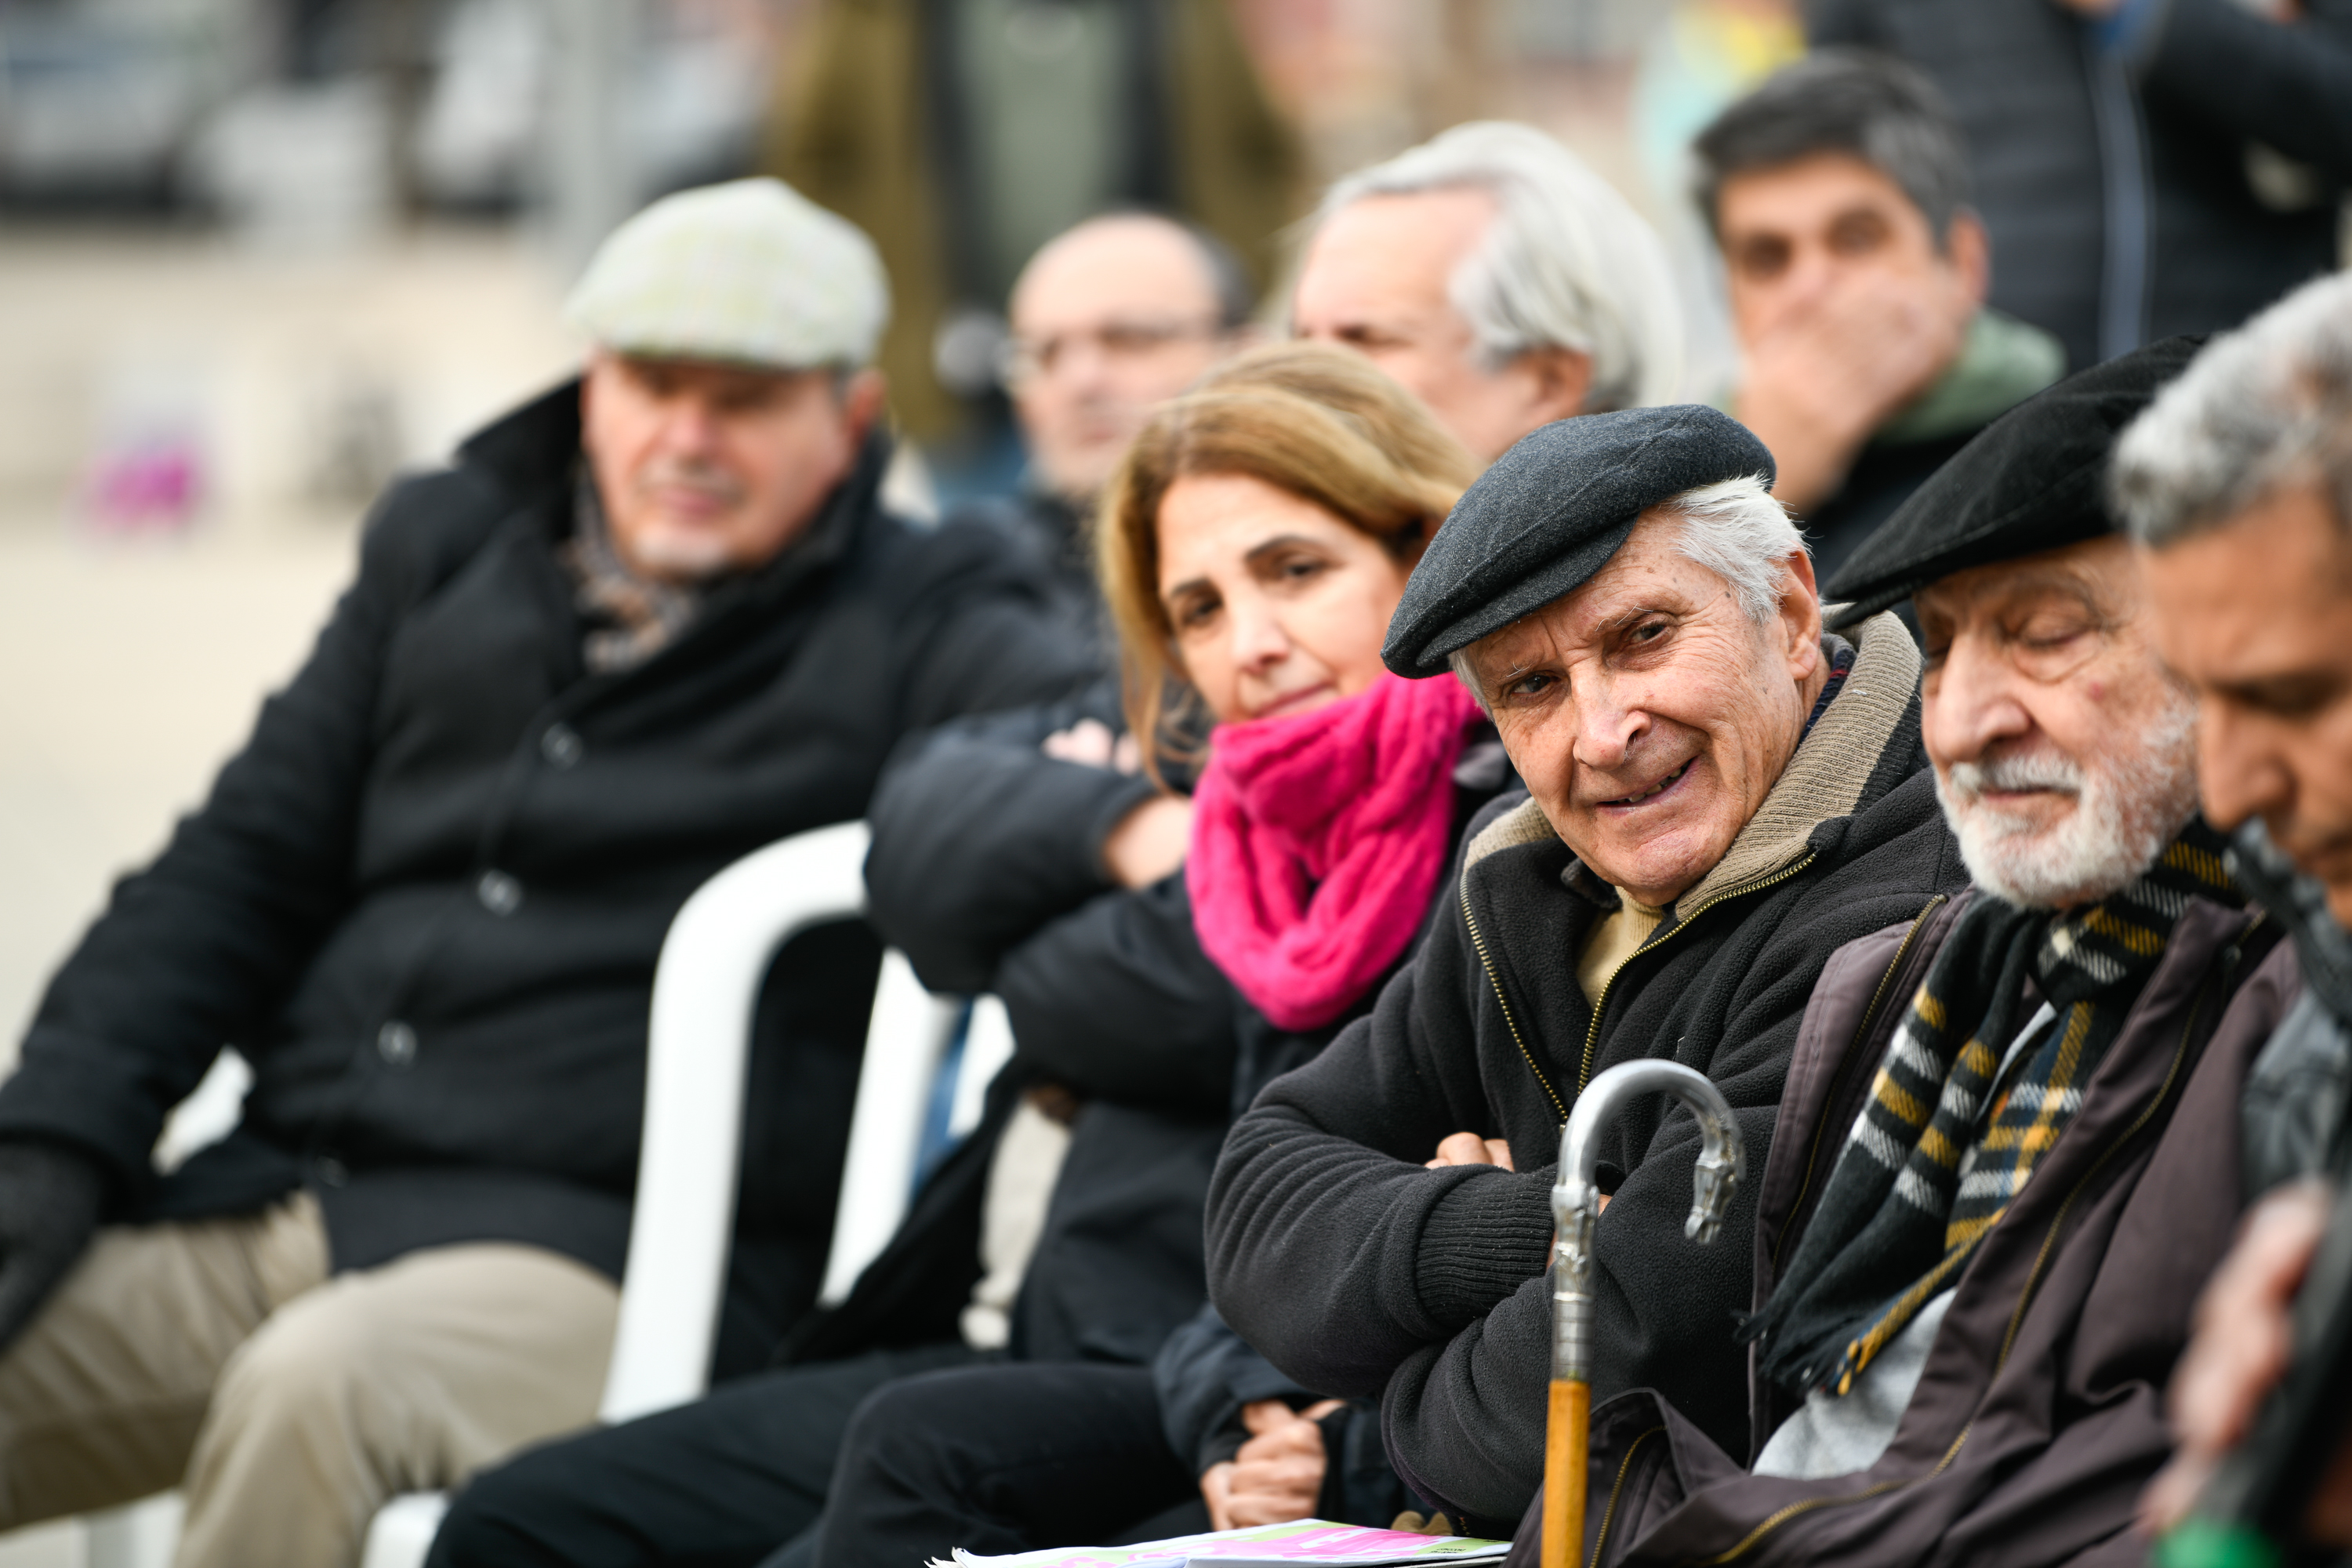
column 1250, row 550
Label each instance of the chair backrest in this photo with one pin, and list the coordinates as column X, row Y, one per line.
column 706, row 987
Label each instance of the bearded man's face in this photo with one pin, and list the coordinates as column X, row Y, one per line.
column 2064, row 753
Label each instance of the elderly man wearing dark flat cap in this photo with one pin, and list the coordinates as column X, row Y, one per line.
column 2010, row 1145
column 1719, row 797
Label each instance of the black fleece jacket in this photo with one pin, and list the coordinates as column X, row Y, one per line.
column 1359, row 1273
column 427, row 898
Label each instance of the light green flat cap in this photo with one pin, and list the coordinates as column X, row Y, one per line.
column 749, row 272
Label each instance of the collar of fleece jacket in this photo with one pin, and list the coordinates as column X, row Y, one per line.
column 1864, row 747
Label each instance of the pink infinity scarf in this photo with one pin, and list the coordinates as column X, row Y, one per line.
column 1317, row 841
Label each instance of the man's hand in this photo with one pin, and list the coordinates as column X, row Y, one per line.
column 1150, row 841
column 1828, row 375
column 2243, row 1345
column 49, row 1203
column 1276, row 1476
column 1090, row 742
column 1469, row 1149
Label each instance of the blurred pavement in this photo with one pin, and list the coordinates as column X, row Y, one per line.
column 137, row 650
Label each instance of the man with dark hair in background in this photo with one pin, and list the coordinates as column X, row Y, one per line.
column 1839, row 193
column 2145, row 167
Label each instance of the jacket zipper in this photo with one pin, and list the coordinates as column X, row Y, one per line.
column 1616, row 1490
column 1608, row 986
column 1869, row 1016
column 1487, row 964
column 2016, row 1317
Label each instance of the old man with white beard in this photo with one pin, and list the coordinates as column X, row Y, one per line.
column 2008, row 1147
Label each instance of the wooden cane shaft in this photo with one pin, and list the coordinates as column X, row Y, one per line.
column 1567, row 1430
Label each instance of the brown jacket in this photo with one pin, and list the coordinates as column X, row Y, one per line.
column 2039, row 1414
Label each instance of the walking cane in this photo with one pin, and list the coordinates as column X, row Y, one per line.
column 1575, row 1207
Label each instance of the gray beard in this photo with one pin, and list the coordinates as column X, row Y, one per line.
column 2127, row 810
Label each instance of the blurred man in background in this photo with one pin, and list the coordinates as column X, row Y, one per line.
column 1499, row 279
column 2239, row 487
column 642, row 627
column 1839, row 191
column 964, row 137
column 2145, row 167
column 1108, row 319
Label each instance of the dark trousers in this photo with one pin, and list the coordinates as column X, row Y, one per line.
column 1002, row 1459
column 720, row 1483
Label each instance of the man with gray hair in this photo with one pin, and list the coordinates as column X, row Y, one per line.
column 2238, row 484
column 639, row 627
column 1718, row 795
column 1498, row 279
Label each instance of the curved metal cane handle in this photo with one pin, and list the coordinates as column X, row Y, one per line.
column 1576, row 1202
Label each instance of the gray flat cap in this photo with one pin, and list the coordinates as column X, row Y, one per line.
column 748, row 272
column 1550, row 513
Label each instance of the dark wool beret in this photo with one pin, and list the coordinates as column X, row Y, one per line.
column 2034, row 480
column 1549, row 514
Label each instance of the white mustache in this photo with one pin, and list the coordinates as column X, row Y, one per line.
column 2025, row 771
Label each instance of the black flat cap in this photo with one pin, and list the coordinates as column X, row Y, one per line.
column 1549, row 514
column 2034, row 480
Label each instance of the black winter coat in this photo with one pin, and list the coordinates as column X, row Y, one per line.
column 2117, row 184
column 1359, row 1273
column 427, row 898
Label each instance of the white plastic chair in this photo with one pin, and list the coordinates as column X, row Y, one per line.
column 706, row 987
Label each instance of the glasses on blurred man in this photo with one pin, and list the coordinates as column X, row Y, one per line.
column 1022, row 360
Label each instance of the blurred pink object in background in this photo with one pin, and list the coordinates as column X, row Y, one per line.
column 153, row 484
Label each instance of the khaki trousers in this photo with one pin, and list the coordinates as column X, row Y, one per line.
column 219, row 1356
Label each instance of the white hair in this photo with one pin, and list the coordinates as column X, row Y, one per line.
column 2131, row 799
column 2266, row 406
column 1568, row 262
column 1733, row 528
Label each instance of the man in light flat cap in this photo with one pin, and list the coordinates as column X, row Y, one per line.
column 1719, row 797
column 639, row 627
column 2010, row 1145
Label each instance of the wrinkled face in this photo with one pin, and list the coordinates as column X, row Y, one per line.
column 1796, row 236
column 1278, row 605
column 2065, row 755
column 1648, row 713
column 2256, row 616
column 1114, row 317
column 707, row 468
column 1375, row 279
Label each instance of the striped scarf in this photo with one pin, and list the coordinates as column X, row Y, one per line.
column 1921, row 1178
column 629, row 617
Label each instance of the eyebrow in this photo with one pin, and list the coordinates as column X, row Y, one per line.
column 1258, row 553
